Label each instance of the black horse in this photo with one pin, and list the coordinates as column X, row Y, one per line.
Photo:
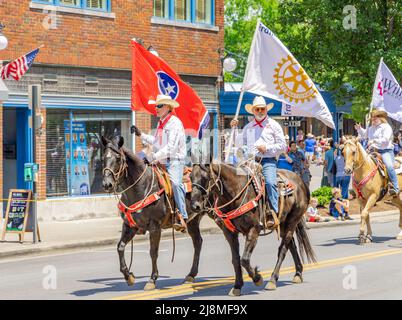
column 220, row 184
column 127, row 174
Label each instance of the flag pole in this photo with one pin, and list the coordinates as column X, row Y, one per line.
column 231, row 139
column 371, row 104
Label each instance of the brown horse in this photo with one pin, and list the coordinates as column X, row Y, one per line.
column 220, row 184
column 368, row 185
column 128, row 175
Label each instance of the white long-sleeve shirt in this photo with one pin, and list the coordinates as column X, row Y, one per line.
column 270, row 135
column 173, row 143
column 381, row 136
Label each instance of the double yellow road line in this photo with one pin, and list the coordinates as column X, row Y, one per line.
column 191, row 288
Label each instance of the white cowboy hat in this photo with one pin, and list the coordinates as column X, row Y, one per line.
column 258, row 102
column 162, row 99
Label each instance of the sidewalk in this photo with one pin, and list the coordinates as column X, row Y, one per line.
column 76, row 234
column 58, row 236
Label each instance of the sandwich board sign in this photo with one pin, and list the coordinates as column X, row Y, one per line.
column 18, row 218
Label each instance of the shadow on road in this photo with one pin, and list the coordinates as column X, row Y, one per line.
column 249, row 290
column 353, row 240
column 204, row 287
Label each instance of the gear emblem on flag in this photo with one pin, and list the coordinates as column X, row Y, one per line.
column 292, row 81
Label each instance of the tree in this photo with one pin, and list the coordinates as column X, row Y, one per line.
column 320, row 34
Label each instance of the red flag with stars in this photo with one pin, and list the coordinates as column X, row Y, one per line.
column 152, row 76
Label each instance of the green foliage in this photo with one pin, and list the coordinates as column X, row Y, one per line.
column 331, row 55
column 323, row 195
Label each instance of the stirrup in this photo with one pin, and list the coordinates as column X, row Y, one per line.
column 182, row 226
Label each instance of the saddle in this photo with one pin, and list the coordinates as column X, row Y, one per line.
column 165, row 183
column 377, row 158
column 285, row 186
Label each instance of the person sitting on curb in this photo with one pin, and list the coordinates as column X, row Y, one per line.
column 338, row 207
column 312, row 212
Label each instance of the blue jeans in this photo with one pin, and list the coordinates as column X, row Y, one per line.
column 343, row 183
column 269, row 171
column 175, row 171
column 388, row 159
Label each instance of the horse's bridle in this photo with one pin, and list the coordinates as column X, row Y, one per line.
column 123, row 169
column 355, row 156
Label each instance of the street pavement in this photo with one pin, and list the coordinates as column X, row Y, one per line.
column 345, row 270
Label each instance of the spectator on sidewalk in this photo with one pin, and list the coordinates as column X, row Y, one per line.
column 300, row 165
column 300, row 135
column 329, row 163
column 397, row 144
column 285, row 162
column 342, row 180
column 338, row 207
column 312, row 211
column 310, row 147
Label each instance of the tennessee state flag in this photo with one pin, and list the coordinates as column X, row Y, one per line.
column 152, row 76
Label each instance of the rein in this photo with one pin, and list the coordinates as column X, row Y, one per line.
column 243, row 207
column 356, row 184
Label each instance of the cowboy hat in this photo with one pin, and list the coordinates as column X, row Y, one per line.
column 258, row 102
column 310, row 135
column 378, row 113
column 163, row 99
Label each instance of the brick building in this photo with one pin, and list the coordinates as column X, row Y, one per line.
column 84, row 71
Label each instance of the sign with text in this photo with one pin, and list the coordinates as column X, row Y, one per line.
column 292, row 123
column 17, row 214
column 77, row 158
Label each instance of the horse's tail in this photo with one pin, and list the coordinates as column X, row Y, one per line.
column 305, row 247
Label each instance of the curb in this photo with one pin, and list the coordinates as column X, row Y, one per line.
column 168, row 234
column 94, row 243
column 374, row 217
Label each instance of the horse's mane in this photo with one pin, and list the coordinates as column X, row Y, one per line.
column 136, row 161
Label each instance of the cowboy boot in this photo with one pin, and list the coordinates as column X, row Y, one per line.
column 182, row 225
column 272, row 220
column 391, row 190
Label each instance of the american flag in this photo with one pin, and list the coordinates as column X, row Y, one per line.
column 18, row 67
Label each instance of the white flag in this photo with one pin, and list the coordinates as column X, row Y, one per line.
column 272, row 71
column 387, row 93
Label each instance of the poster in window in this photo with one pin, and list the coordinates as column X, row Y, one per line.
column 77, row 175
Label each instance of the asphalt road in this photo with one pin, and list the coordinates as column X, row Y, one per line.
column 345, row 270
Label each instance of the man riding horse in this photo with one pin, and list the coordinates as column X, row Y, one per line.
column 169, row 143
column 264, row 137
column 380, row 139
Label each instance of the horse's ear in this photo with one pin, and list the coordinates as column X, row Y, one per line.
column 121, row 142
column 104, row 141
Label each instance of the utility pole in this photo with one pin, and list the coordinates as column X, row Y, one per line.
column 34, row 96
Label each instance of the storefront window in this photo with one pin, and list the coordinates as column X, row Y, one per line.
column 79, row 148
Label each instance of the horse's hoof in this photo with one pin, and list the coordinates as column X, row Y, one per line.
column 369, row 239
column 189, row 279
column 297, row 279
column 270, row 286
column 361, row 240
column 235, row 292
column 260, row 282
column 150, row 286
column 130, row 280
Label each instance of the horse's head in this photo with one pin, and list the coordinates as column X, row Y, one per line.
column 114, row 163
column 200, row 179
column 350, row 153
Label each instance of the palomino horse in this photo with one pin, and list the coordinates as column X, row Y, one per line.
column 128, row 175
column 220, row 185
column 367, row 181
